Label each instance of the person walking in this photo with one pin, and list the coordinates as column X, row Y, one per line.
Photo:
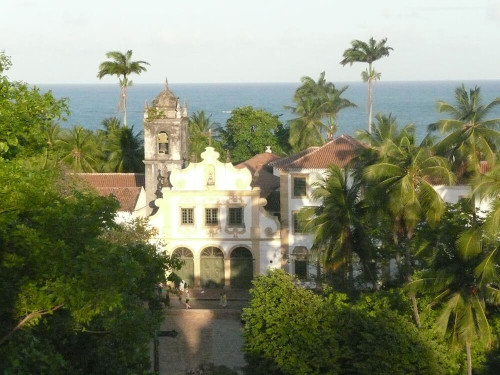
column 224, row 299
column 186, row 292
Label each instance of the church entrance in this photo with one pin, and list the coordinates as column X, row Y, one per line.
column 241, row 268
column 212, row 268
column 186, row 273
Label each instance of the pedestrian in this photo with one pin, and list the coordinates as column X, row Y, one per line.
column 224, row 299
column 221, row 299
column 186, row 292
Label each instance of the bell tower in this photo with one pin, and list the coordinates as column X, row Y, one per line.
column 165, row 142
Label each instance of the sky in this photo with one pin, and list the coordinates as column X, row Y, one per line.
column 201, row 41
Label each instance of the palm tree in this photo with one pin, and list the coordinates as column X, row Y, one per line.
column 337, row 223
column 201, row 131
column 459, row 278
column 403, row 177
column 486, row 186
column 384, row 135
column 315, row 101
column 367, row 53
column 78, row 149
column 51, row 134
column 470, row 136
column 124, row 151
column 121, row 66
column 307, row 129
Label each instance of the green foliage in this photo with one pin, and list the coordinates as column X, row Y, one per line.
column 456, row 279
column 123, row 148
column 470, row 137
column 283, row 325
column 203, row 133
column 340, row 232
column 248, row 131
column 71, row 278
column 25, row 114
column 122, row 66
column 314, row 103
column 289, row 330
column 367, row 53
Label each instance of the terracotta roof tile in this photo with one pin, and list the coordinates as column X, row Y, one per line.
column 262, row 174
column 125, row 187
column 339, row 151
column 283, row 162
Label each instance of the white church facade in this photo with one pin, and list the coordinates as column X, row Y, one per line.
column 213, row 219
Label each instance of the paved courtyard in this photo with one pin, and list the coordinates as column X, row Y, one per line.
column 207, row 333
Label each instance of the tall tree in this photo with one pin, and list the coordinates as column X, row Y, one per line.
column 337, row 223
column 367, row 53
column 25, row 115
column 403, row 178
column 315, row 102
column 122, row 66
column 75, row 285
column 457, row 278
column 470, row 135
column 78, row 149
column 249, row 131
column 202, row 133
column 123, row 149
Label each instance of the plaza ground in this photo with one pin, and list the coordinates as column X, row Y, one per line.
column 206, row 333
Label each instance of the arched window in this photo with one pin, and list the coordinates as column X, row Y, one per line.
column 183, row 252
column 212, row 252
column 162, row 143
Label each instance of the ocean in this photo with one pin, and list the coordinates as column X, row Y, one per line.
column 409, row 102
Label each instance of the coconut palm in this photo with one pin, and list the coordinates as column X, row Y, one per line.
column 307, row 129
column 404, row 177
column 122, row 66
column 201, row 131
column 337, row 223
column 385, row 131
column 78, row 149
column 51, row 135
column 315, row 102
column 367, row 53
column 486, row 186
column 458, row 278
column 470, row 135
column 124, row 151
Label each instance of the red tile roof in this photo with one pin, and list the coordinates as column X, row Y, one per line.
column 262, row 176
column 339, row 151
column 125, row 187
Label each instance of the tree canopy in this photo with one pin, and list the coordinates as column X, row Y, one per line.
column 25, row 114
column 249, row 131
column 68, row 272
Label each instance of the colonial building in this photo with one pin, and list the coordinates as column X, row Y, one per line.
column 227, row 223
column 213, row 219
column 297, row 174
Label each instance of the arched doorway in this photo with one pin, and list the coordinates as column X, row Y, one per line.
column 212, row 268
column 241, row 268
column 300, row 260
column 186, row 272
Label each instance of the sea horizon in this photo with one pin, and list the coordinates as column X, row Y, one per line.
column 263, row 82
column 408, row 101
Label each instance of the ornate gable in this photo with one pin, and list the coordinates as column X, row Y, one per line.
column 211, row 174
